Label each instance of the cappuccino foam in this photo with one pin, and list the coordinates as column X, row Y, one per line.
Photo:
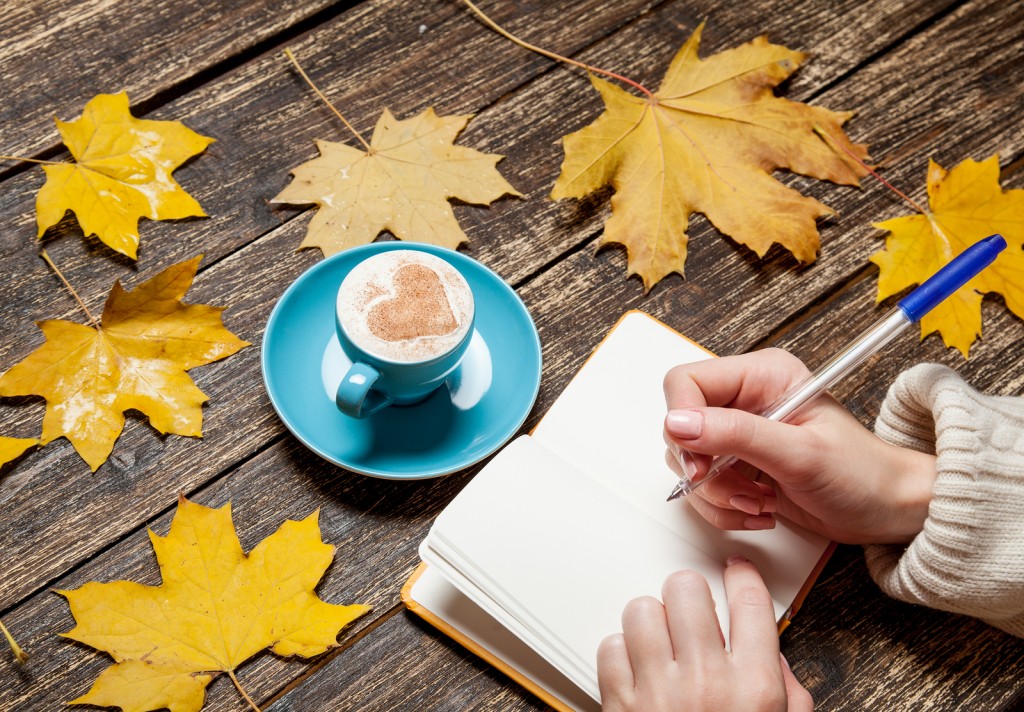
column 405, row 305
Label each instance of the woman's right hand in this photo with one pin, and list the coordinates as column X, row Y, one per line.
column 821, row 469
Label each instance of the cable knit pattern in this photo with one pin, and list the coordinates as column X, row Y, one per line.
column 969, row 558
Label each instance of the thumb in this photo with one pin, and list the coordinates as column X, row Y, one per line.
column 782, row 450
column 797, row 697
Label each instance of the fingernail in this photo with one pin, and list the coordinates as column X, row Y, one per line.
column 745, row 504
column 686, row 424
column 736, row 559
column 763, row 521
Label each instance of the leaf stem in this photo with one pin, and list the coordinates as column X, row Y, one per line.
column 70, row 288
column 30, row 160
column 290, row 56
column 551, row 55
column 824, row 134
column 231, row 674
column 19, row 655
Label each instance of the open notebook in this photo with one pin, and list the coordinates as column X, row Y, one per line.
column 531, row 564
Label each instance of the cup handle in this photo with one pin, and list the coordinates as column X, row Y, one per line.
column 356, row 396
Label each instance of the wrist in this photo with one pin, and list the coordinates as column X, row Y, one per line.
column 912, row 483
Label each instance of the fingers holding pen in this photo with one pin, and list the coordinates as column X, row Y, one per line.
column 729, row 518
column 731, row 500
column 773, row 447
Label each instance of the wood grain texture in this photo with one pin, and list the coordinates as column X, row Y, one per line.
column 147, row 469
column 375, row 524
column 146, row 473
column 855, row 648
column 927, row 79
column 56, row 55
column 436, row 675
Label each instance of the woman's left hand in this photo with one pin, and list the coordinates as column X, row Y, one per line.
column 671, row 656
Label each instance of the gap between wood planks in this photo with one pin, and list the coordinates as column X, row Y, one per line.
column 204, row 76
column 327, row 657
column 211, row 73
column 195, row 82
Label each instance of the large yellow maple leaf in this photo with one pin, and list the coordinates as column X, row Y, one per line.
column 402, row 183
column 707, row 141
column 966, row 204
column 122, row 172
column 136, row 358
column 216, row 608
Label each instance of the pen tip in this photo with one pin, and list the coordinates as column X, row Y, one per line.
column 682, row 488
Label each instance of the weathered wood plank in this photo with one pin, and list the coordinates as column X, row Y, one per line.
column 375, row 524
column 56, row 55
column 259, row 277
column 93, row 276
column 434, row 675
column 575, row 302
column 855, row 648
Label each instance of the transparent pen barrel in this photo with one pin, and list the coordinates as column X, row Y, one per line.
column 881, row 333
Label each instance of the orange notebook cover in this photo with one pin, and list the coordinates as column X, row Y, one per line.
column 607, row 421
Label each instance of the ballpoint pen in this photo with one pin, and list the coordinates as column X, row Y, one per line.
column 908, row 311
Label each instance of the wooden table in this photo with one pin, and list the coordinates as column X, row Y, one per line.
column 927, row 78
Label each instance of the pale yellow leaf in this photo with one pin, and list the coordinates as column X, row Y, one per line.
column 403, row 184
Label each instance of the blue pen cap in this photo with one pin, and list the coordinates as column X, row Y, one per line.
column 950, row 278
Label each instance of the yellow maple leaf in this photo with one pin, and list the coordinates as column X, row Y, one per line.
column 11, row 448
column 967, row 204
column 707, row 142
column 122, row 172
column 216, row 608
column 401, row 183
column 136, row 358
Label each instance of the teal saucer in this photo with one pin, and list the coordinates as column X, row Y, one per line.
column 480, row 408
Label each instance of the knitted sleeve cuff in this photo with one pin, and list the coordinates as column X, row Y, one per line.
column 969, row 557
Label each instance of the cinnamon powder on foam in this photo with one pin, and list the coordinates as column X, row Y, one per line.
column 420, row 308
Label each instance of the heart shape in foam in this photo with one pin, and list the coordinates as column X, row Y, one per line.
column 419, row 308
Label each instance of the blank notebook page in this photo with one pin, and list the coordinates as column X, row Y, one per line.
column 608, row 423
column 561, row 554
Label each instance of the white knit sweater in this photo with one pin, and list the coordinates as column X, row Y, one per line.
column 969, row 558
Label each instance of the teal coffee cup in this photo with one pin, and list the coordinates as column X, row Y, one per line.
column 404, row 318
